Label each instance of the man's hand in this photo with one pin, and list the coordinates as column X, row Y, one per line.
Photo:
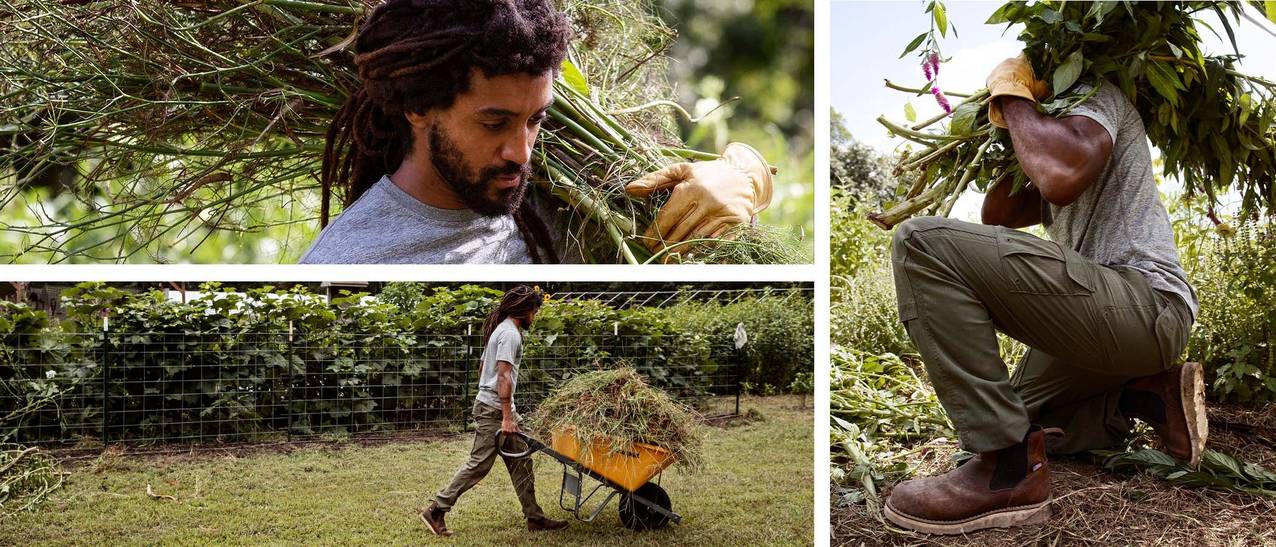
column 708, row 198
column 1012, row 78
column 508, row 425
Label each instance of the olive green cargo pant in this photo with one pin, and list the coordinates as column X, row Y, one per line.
column 487, row 421
column 1090, row 329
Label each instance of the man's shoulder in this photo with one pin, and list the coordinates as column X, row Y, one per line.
column 358, row 234
column 508, row 333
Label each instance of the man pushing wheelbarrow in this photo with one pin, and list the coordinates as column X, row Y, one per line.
column 494, row 413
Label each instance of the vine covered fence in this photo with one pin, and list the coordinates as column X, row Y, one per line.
column 165, row 387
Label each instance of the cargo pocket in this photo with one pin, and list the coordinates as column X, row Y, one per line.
column 1037, row 266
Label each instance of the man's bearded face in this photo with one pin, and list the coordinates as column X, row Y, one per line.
column 491, row 190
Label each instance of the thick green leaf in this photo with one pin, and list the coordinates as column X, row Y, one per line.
column 964, row 117
column 1068, row 72
column 1160, row 81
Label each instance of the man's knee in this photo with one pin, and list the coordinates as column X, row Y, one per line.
column 914, row 230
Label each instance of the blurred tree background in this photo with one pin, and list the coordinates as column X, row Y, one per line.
column 761, row 51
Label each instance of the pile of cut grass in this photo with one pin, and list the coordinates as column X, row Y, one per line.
column 618, row 405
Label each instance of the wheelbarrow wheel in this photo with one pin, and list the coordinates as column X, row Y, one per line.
column 637, row 516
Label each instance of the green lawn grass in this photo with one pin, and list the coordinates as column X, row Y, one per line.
column 757, row 489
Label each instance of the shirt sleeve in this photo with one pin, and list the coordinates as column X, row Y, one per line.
column 506, row 348
column 1107, row 107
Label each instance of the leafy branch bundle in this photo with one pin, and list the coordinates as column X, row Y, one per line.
column 185, row 119
column 1212, row 123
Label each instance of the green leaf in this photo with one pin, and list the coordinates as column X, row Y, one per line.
column 1270, row 7
column 1160, row 81
column 1068, row 72
column 1227, row 27
column 941, row 19
column 1049, row 16
column 1099, row 10
column 909, row 112
column 964, row 117
column 913, row 45
column 574, row 78
column 1002, row 15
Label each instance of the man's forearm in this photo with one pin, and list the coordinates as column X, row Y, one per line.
column 1062, row 156
column 505, row 394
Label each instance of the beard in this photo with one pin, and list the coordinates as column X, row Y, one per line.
column 478, row 190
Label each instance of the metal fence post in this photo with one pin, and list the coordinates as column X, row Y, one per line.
column 736, row 367
column 288, row 386
column 465, row 379
column 106, row 373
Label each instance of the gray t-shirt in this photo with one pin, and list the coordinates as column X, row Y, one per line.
column 388, row 226
column 1119, row 221
column 505, row 344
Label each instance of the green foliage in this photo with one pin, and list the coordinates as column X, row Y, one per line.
column 879, row 406
column 240, row 365
column 855, row 244
column 1235, row 333
column 780, row 333
column 1217, row 470
column 1213, row 124
column 404, row 295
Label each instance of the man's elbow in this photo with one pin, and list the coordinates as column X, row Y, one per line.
column 993, row 216
column 1062, row 186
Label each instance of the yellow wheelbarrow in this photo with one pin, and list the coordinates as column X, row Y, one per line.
column 628, row 472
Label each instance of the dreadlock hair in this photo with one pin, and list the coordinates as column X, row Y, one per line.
column 416, row 55
column 517, row 302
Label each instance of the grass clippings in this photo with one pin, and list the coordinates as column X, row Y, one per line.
column 618, row 405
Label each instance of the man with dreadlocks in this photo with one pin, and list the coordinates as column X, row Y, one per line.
column 434, row 146
column 494, row 411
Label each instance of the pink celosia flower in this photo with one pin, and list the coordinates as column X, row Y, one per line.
column 941, row 99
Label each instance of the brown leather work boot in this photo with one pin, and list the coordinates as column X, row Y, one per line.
column 1173, row 403
column 542, row 524
column 1007, row 487
column 432, row 516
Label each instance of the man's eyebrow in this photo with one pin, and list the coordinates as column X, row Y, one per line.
column 496, row 111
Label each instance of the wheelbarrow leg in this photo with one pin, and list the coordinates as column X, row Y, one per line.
column 572, row 484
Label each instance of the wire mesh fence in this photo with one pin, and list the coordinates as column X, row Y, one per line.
column 192, row 387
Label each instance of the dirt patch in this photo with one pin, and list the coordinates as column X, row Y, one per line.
column 1093, row 506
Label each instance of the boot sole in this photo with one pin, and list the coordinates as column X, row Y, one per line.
column 1192, row 391
column 1022, row 515
column 444, row 533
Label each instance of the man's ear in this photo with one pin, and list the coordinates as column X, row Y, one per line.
column 419, row 121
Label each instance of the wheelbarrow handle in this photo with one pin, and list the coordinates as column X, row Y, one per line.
column 532, row 444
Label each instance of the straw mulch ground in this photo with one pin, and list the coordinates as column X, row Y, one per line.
column 1095, row 507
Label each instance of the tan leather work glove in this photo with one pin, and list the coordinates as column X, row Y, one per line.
column 1014, row 78
column 708, row 197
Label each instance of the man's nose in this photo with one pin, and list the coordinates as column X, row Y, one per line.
column 518, row 148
